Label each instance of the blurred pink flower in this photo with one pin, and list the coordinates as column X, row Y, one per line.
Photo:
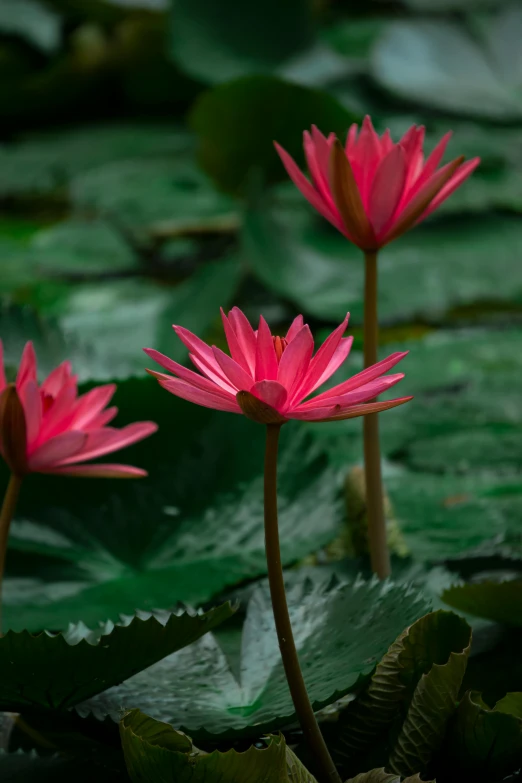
column 374, row 190
column 268, row 378
column 49, row 429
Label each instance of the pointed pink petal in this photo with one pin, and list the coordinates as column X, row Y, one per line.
column 107, row 439
column 220, row 382
column 102, row 419
column 363, row 377
column 351, row 138
column 54, row 382
column 450, row 187
column 308, row 190
column 317, row 151
column 3, row 381
column 239, row 379
column 295, row 360
column 61, row 414
column 56, row 450
column 245, row 336
column 201, row 350
column 361, row 394
column 266, row 359
column 367, row 159
column 32, row 403
column 187, row 375
column 338, row 414
column 27, row 370
column 341, row 353
column 432, row 163
column 295, row 327
column 233, row 343
column 91, row 404
column 387, row 189
column 320, row 362
column 386, row 142
column 198, row 396
column 99, row 471
column 271, row 392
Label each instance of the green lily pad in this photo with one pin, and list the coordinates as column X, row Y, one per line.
column 271, row 109
column 216, row 44
column 435, row 267
column 437, row 63
column 485, row 743
column 190, row 529
column 497, row 601
column 340, row 634
column 156, row 753
column 59, row 671
column 32, row 21
column 41, row 164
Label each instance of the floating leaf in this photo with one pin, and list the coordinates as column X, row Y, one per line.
column 436, row 62
column 31, row 21
column 497, row 601
column 59, row 671
column 485, row 743
column 411, row 696
column 271, row 109
column 198, row 691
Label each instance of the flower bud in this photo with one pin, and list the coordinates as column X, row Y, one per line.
column 257, row 410
column 13, row 431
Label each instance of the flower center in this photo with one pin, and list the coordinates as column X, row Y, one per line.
column 47, row 401
column 279, row 344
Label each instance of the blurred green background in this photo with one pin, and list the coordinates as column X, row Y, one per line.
column 139, row 188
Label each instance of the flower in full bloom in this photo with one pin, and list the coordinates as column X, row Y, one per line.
column 48, row 428
column 373, row 190
column 270, row 378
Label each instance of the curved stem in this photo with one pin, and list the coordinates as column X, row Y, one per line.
column 6, row 516
column 379, row 555
column 312, row 732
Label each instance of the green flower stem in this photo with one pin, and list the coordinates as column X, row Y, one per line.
column 326, row 770
column 379, row 554
column 6, row 516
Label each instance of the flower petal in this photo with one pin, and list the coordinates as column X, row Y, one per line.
column 56, row 379
column 28, row 368
column 188, row 392
column 363, row 377
column 341, row 353
column 185, row 374
column 362, row 394
column 3, row 381
column 456, row 181
column 240, row 380
column 245, row 336
column 57, row 449
column 220, row 383
column 108, row 439
column 90, row 404
column 99, row 471
column 296, row 360
column 337, row 413
column 31, row 400
column 203, row 352
column 233, row 343
column 271, row 392
column 295, row 327
column 387, row 189
column 347, row 198
column 321, row 361
column 266, row 359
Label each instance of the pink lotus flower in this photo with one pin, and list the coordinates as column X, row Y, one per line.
column 374, row 190
column 269, row 378
column 49, row 429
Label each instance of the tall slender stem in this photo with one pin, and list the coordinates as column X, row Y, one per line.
column 6, row 515
column 326, row 770
column 379, row 555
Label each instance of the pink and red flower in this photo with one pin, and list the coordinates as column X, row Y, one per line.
column 374, row 190
column 269, row 378
column 48, row 428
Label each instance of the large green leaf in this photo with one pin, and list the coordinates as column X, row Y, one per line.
column 31, row 768
column 32, row 21
column 190, row 529
column 41, row 164
column 485, row 743
column 340, row 631
column 109, row 322
column 272, row 109
column 411, row 695
column 430, row 270
column 59, row 671
column 156, row 753
column 498, row 601
column 381, row 776
column 438, row 64
column 217, row 43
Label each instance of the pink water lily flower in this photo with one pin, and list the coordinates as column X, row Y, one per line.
column 48, row 428
column 269, row 378
column 374, row 190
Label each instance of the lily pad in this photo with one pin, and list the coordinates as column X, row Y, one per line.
column 59, row 671
column 497, row 601
column 190, row 529
column 340, row 634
